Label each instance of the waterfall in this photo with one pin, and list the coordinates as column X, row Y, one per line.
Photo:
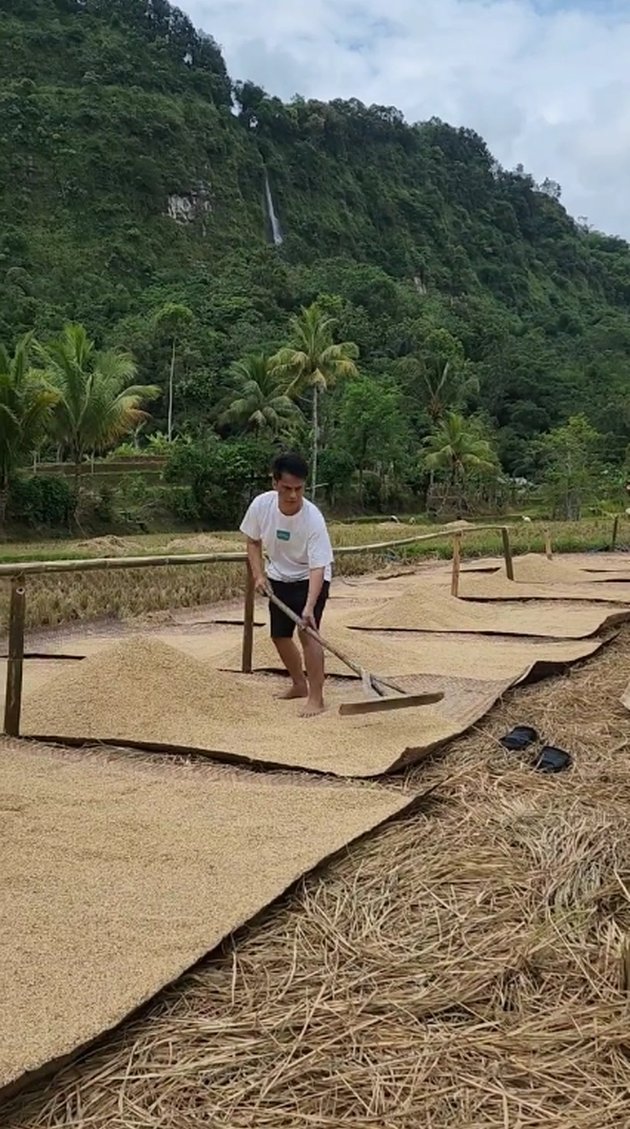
column 274, row 222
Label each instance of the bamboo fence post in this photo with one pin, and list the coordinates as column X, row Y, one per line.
column 457, row 559
column 248, row 622
column 507, row 552
column 15, row 664
column 615, row 531
column 548, row 549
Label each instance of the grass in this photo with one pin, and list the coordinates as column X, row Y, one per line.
column 65, row 598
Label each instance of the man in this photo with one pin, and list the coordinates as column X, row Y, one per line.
column 293, row 534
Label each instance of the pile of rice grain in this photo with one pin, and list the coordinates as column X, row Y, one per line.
column 389, row 653
column 532, row 568
column 144, row 691
column 426, row 607
column 484, row 587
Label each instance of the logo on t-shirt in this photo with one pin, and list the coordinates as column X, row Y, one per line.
column 283, row 534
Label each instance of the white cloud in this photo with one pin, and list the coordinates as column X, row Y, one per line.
column 546, row 83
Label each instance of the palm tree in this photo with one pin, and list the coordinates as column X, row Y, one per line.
column 262, row 403
column 97, row 405
column 312, row 360
column 458, row 449
column 445, row 387
column 26, row 404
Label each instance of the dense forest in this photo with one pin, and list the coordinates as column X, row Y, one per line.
column 186, row 221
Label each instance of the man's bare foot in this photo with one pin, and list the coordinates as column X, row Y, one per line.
column 295, row 691
column 312, row 708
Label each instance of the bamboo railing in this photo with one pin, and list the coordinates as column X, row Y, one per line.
column 17, row 572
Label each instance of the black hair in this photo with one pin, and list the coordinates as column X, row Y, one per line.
column 290, row 463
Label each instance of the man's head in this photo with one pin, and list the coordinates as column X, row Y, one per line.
column 289, row 478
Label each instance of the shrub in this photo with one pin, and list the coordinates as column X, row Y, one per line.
column 223, row 475
column 41, row 500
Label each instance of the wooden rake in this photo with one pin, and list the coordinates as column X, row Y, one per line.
column 375, row 687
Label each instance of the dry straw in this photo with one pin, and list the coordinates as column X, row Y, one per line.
column 465, row 968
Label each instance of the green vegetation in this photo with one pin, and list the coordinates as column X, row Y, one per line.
column 258, row 398
column 26, row 405
column 313, row 362
column 95, row 405
column 132, row 202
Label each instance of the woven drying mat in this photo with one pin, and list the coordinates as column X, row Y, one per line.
column 145, row 694
column 119, row 874
column 427, row 607
column 380, row 655
column 463, row 656
column 534, row 568
column 497, row 587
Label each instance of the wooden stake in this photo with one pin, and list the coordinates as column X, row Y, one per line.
column 248, row 622
column 615, row 531
column 507, row 553
column 15, row 664
column 548, row 549
column 457, row 560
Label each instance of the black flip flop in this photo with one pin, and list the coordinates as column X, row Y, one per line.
column 551, row 759
column 519, row 738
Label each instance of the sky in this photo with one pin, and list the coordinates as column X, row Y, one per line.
column 545, row 82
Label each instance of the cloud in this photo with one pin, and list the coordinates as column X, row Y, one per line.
column 546, row 83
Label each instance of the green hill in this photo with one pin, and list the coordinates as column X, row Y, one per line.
column 128, row 179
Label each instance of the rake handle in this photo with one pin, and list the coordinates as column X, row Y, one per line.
column 299, row 622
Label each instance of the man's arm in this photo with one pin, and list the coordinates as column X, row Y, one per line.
column 250, row 527
column 255, row 558
column 320, row 555
column 315, row 584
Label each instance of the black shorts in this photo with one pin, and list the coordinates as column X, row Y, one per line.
column 294, row 594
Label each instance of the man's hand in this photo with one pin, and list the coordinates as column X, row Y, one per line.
column 261, row 584
column 308, row 617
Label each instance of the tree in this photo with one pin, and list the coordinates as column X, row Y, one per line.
column 96, row 404
column 171, row 320
column 221, row 476
column 372, row 423
column 262, row 403
column 312, row 360
column 440, row 370
column 26, row 403
column 569, row 457
column 458, row 449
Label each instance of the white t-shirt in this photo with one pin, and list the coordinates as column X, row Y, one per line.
column 294, row 545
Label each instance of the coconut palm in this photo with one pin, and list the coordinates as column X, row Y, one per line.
column 458, row 449
column 97, row 404
column 444, row 386
column 26, row 404
column 313, row 361
column 261, row 402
